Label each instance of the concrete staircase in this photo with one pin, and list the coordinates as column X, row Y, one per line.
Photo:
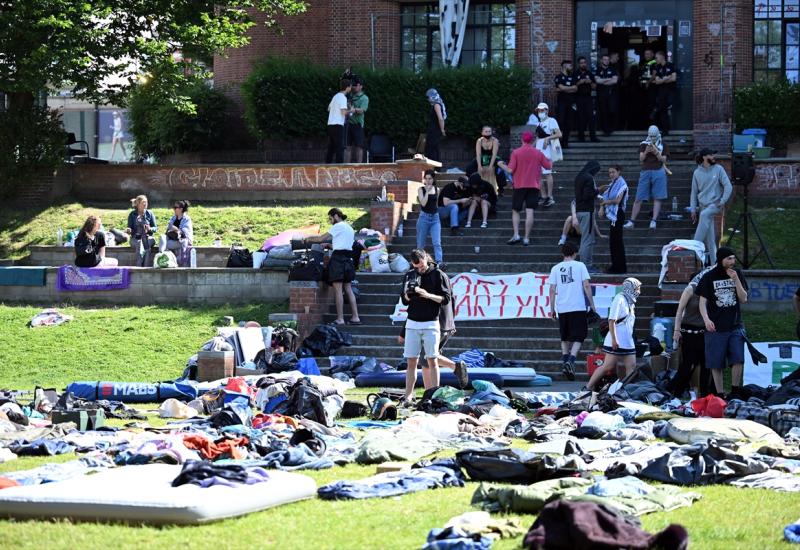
column 532, row 341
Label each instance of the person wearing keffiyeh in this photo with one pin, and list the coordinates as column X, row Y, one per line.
column 653, row 177
column 436, row 117
column 614, row 200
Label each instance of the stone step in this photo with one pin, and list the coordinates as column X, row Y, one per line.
column 390, row 294
column 476, row 329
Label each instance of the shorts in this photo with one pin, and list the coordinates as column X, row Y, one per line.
column 619, row 352
column 341, row 268
column 525, row 199
column 117, row 135
column 724, row 345
column 652, row 185
column 572, row 326
column 355, row 135
column 419, row 339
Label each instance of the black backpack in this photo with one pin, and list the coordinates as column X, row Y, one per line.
column 309, row 267
column 239, row 256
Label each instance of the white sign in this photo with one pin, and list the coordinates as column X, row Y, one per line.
column 517, row 296
column 783, row 358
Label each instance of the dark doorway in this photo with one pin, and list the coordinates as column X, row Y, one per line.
column 630, row 43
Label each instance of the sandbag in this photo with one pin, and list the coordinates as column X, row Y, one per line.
column 398, row 263
column 133, row 392
column 379, row 260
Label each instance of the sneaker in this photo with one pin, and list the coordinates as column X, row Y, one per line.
column 514, row 240
column 461, row 374
column 484, row 225
column 628, row 224
column 652, row 224
column 468, row 224
column 526, row 242
column 456, row 232
column 568, row 370
column 549, row 202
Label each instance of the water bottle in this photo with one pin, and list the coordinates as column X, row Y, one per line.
column 675, row 204
column 60, row 237
column 383, row 194
column 193, row 258
column 400, row 230
column 217, row 242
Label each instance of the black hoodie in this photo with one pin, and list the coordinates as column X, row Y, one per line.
column 585, row 187
column 434, row 281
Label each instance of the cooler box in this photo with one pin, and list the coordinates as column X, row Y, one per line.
column 85, row 419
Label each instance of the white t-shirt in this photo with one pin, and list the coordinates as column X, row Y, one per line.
column 620, row 309
column 550, row 125
column 568, row 277
column 335, row 107
column 342, row 234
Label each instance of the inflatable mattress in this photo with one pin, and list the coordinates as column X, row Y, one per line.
column 499, row 377
column 145, row 494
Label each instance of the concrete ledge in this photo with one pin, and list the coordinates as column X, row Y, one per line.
column 167, row 286
column 207, row 256
column 770, row 290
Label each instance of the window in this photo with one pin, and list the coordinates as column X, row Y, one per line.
column 490, row 37
column 776, row 40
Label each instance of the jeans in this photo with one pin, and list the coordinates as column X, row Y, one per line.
column 586, row 251
column 705, row 231
column 141, row 247
column 430, row 224
column 452, row 211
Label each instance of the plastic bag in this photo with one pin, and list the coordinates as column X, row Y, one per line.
column 379, row 260
column 398, row 263
column 165, row 259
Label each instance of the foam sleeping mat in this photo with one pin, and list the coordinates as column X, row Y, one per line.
column 145, row 494
column 499, row 377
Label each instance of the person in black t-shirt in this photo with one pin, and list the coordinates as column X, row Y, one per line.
column 454, row 200
column 483, row 195
column 606, row 78
column 722, row 290
column 585, row 81
column 664, row 82
column 90, row 245
column 567, row 87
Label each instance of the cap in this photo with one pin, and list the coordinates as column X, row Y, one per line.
column 527, row 137
column 542, row 107
column 707, row 151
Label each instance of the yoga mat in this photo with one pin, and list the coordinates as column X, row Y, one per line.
column 23, row 276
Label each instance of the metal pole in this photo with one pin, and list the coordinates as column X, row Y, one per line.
column 372, row 37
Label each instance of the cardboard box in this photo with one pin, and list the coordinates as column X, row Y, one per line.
column 213, row 365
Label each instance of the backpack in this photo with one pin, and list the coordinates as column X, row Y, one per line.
column 239, row 256
column 305, row 401
column 309, row 267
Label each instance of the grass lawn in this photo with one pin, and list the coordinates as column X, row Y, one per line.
column 153, row 343
column 249, row 223
column 778, row 222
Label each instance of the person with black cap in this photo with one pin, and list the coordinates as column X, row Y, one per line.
column 711, row 189
column 722, row 290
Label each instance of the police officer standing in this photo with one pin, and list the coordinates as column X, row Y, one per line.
column 586, row 117
column 606, row 79
column 664, row 83
column 647, row 91
column 567, row 89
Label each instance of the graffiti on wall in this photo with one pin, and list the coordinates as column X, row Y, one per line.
column 777, row 177
column 283, row 177
column 771, row 292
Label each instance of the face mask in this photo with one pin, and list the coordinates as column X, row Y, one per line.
column 542, row 116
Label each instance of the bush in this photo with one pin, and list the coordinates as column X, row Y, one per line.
column 162, row 125
column 290, row 98
column 31, row 140
column 774, row 106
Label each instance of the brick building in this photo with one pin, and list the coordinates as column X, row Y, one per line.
column 711, row 43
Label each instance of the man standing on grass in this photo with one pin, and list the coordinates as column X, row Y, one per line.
column 569, row 293
column 721, row 292
column 526, row 165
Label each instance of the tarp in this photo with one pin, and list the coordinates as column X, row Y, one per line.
column 783, row 358
column 133, row 392
column 516, row 296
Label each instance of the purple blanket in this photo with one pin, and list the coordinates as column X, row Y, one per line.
column 92, row 278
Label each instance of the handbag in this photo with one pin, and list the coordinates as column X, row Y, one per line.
column 239, row 256
column 309, row 267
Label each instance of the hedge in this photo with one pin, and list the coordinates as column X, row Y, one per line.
column 774, row 106
column 290, row 98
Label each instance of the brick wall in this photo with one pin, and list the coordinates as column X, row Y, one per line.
column 681, row 265
column 45, row 187
column 309, row 300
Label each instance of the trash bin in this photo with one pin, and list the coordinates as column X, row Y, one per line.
column 759, row 133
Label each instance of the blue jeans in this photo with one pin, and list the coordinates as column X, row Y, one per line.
column 430, row 224
column 452, row 211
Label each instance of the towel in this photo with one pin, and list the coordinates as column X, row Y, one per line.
column 71, row 278
column 23, row 276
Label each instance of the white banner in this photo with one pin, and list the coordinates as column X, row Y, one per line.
column 783, row 358
column 517, row 296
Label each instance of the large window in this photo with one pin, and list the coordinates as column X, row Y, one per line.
column 776, row 40
column 489, row 39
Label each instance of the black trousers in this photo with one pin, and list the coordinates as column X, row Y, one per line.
column 607, row 107
column 616, row 245
column 335, row 144
column 693, row 355
column 586, row 117
column 663, row 108
column 564, row 118
column 432, row 139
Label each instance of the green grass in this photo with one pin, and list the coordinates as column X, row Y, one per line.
column 249, row 223
column 777, row 220
column 153, row 343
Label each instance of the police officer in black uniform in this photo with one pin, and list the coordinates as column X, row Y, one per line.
column 664, row 82
column 647, row 92
column 607, row 79
column 567, row 90
column 585, row 101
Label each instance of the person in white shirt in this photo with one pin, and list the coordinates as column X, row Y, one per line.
column 546, row 131
column 341, row 268
column 569, row 293
column 619, row 345
column 338, row 110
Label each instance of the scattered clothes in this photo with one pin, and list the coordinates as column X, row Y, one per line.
column 209, row 449
column 206, row 474
column 545, row 399
column 527, row 499
column 691, row 430
column 40, row 447
column 442, row 473
column 49, row 318
column 299, row 457
column 453, row 538
column 792, row 532
column 644, row 391
column 602, row 421
column 6, row 455
column 403, row 444
column 514, row 466
column 324, row 341
column 23, row 276
column 472, row 530
column 49, row 473
column 702, row 464
column 170, row 449
column 771, row 479
column 565, row 525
